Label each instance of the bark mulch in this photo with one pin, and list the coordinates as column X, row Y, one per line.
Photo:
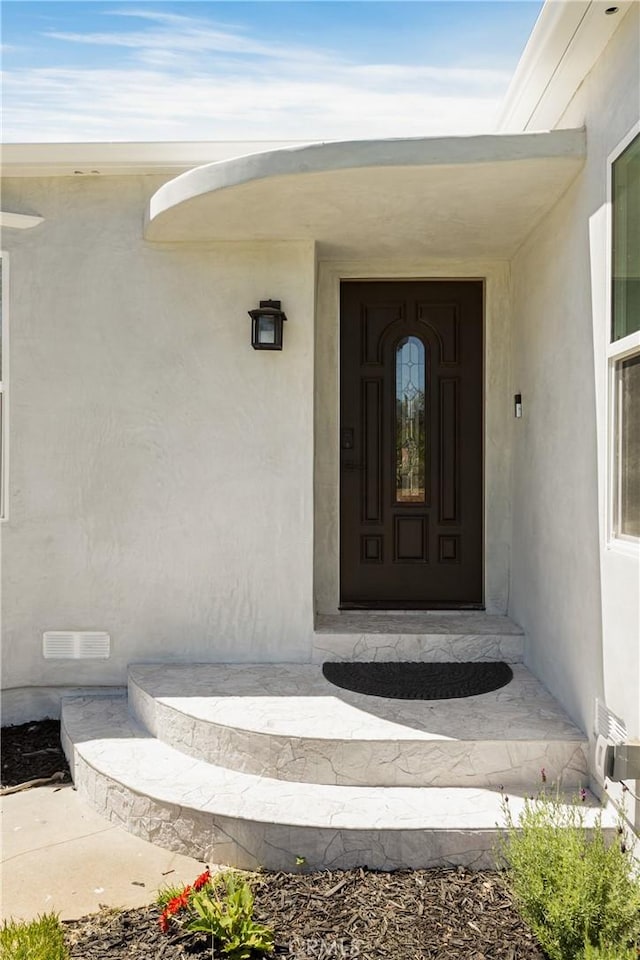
column 32, row 751
column 406, row 915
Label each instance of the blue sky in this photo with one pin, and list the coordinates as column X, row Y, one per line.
column 267, row 70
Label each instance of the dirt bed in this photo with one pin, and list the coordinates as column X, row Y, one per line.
column 31, row 751
column 408, row 915
column 412, row 915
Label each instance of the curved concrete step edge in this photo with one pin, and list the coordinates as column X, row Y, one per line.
column 391, row 763
column 251, row 843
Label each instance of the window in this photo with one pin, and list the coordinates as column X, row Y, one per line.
column 626, row 504
column 624, row 349
column 625, row 287
column 410, row 421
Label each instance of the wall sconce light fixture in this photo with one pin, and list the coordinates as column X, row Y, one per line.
column 266, row 325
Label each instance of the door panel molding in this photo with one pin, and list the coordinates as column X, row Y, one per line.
column 419, row 427
column 449, row 459
column 498, row 421
column 371, row 458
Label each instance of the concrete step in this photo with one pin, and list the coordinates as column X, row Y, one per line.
column 288, row 722
column 229, row 816
column 427, row 635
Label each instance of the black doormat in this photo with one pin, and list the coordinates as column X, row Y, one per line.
column 419, row 681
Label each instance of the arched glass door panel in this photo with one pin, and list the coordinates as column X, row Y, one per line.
column 410, row 421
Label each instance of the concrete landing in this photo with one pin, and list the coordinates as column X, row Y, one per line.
column 287, row 721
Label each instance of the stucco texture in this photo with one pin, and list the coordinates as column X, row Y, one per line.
column 576, row 595
column 161, row 469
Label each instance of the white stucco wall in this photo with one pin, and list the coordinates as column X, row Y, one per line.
column 577, row 598
column 161, row 469
column 162, row 472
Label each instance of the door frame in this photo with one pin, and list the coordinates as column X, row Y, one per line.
column 424, row 586
column 497, row 415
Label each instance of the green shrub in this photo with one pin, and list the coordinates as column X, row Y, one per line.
column 221, row 907
column 609, row 953
column 39, row 939
column 575, row 890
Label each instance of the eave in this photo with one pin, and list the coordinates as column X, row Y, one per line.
column 443, row 196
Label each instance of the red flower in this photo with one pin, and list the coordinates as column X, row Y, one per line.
column 202, row 880
column 174, row 905
column 164, row 921
column 177, row 903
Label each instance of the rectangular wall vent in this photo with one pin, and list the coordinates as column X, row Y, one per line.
column 76, row 645
column 609, row 726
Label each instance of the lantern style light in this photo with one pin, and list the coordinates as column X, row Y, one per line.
column 266, row 325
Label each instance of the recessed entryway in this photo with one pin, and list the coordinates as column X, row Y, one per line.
column 411, row 444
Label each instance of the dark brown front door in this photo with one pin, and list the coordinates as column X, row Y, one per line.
column 411, row 403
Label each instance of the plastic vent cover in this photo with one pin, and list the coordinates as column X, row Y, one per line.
column 76, row 645
column 608, row 725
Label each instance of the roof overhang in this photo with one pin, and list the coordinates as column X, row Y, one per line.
column 565, row 43
column 445, row 196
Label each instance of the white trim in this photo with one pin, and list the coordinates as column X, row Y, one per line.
column 497, row 417
column 621, row 147
column 567, row 39
column 616, row 350
column 19, row 221
column 4, row 392
column 625, row 347
column 615, row 541
column 628, row 547
column 548, row 42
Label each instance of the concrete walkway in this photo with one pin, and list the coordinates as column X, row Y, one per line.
column 57, row 854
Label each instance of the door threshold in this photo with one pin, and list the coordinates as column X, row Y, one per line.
column 385, row 607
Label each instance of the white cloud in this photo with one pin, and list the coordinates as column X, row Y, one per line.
column 191, row 35
column 185, row 80
column 81, row 105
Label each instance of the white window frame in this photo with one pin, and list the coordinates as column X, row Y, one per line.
column 616, row 351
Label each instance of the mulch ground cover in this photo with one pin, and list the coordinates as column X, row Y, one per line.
column 31, row 751
column 405, row 915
